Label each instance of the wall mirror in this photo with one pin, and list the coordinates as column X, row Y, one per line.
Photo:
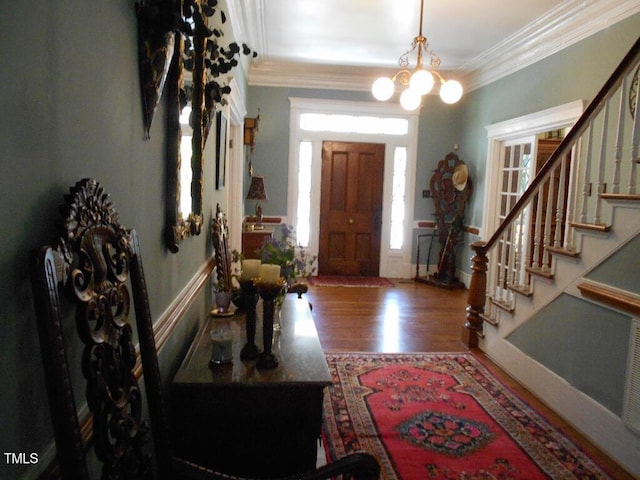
column 181, row 52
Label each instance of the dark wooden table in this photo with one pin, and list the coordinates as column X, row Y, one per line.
column 244, row 421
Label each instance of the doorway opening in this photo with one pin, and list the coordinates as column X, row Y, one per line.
column 517, row 150
column 351, row 208
column 314, row 122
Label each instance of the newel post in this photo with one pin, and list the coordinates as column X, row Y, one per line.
column 476, row 297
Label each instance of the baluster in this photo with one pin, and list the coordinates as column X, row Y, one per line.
column 572, row 200
column 546, row 239
column 511, row 255
column 635, row 147
column 502, row 268
column 622, row 109
column 597, row 220
column 537, row 234
column 518, row 260
column 586, row 188
column 560, row 204
column 510, row 264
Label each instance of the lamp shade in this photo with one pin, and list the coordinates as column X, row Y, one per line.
column 256, row 189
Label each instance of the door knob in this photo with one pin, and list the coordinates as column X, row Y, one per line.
column 351, row 221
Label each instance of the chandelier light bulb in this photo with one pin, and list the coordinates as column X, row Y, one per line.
column 451, row 91
column 410, row 99
column 421, row 82
column 382, row 88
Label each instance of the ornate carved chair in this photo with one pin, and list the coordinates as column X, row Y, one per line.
column 97, row 264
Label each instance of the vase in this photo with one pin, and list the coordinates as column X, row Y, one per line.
column 223, row 301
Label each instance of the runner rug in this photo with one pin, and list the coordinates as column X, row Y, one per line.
column 348, row 281
column 442, row 416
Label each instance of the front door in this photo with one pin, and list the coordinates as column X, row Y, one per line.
column 351, row 208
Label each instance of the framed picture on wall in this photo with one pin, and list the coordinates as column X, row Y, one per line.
column 221, row 149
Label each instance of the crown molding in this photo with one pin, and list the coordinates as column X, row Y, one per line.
column 561, row 27
column 565, row 25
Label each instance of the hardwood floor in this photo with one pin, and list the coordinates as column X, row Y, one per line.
column 410, row 317
column 415, row 317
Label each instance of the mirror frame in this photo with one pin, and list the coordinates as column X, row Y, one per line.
column 180, row 227
column 207, row 60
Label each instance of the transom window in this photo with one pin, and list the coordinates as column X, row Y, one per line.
column 322, row 122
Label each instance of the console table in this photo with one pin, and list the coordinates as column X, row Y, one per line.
column 249, row 422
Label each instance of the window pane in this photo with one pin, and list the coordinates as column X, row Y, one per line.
column 398, row 197
column 319, row 122
column 303, row 224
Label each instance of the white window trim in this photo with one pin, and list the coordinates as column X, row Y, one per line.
column 498, row 133
column 393, row 263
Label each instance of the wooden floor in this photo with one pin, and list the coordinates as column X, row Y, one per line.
column 414, row 317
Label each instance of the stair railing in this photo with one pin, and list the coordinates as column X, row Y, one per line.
column 560, row 199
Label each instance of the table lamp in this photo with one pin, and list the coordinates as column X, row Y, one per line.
column 257, row 192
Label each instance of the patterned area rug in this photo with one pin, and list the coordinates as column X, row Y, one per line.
column 348, row 281
column 442, row 416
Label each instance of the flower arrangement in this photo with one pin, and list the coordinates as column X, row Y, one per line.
column 294, row 261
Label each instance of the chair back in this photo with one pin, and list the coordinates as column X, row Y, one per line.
column 96, row 265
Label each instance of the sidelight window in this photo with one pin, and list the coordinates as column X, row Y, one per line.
column 398, row 197
column 303, row 214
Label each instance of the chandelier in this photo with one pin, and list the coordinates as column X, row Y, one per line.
column 421, row 80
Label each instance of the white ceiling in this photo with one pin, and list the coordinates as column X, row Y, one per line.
column 347, row 43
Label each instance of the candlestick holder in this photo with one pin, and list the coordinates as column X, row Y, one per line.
column 250, row 350
column 268, row 292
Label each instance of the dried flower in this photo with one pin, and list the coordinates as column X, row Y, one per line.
column 294, row 261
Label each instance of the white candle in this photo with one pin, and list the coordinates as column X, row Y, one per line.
column 269, row 273
column 250, row 269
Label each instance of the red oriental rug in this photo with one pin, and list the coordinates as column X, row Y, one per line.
column 442, row 416
column 348, row 281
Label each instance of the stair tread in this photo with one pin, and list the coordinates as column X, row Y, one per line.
column 541, row 272
column 502, row 305
column 621, row 196
column 525, row 290
column 592, row 227
column 563, row 251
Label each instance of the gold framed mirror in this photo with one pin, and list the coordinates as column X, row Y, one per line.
column 195, row 84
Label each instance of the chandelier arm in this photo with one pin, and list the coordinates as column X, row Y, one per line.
column 442, row 80
column 403, row 76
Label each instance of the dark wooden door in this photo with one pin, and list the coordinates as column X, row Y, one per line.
column 351, row 208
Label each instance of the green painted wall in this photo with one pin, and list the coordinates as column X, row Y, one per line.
column 584, row 343
column 69, row 91
column 576, row 73
column 609, row 271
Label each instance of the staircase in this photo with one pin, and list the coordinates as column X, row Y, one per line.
column 580, row 210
